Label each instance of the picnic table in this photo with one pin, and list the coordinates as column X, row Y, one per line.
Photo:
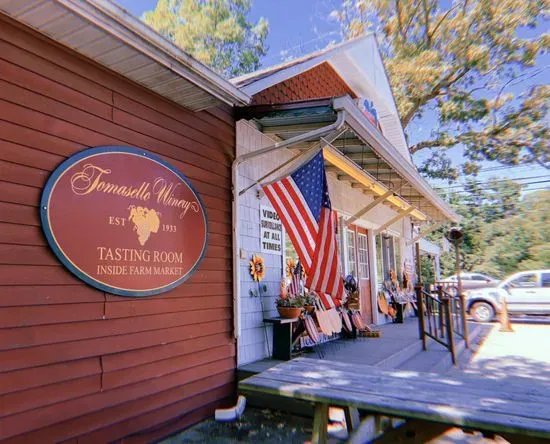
column 429, row 404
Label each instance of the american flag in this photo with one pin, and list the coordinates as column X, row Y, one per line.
column 294, row 287
column 302, row 201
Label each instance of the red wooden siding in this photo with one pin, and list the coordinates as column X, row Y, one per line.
column 75, row 363
column 319, row 82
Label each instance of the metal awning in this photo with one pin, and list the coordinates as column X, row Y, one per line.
column 360, row 155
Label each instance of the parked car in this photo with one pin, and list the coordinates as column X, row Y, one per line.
column 471, row 281
column 527, row 292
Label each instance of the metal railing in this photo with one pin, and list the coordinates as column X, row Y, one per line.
column 458, row 312
column 435, row 319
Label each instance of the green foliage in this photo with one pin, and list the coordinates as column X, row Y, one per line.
column 290, row 302
column 520, row 242
column 502, row 233
column 215, row 32
column 427, row 270
column 463, row 60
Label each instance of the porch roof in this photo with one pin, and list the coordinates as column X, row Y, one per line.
column 360, row 155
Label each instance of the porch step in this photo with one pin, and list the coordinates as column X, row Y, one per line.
column 398, row 358
column 437, row 359
column 466, row 357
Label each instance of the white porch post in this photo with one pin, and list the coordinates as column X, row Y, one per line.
column 374, row 277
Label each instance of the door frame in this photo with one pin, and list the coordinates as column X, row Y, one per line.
column 364, row 300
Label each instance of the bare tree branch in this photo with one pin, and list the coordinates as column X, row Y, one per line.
column 446, row 82
column 443, row 19
column 399, row 22
column 425, row 144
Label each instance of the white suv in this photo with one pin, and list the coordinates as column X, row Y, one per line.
column 527, row 292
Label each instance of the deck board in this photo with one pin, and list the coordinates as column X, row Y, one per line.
column 477, row 403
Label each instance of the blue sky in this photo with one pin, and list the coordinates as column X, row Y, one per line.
column 301, row 26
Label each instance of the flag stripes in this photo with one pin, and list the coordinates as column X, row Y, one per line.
column 302, row 202
column 326, row 277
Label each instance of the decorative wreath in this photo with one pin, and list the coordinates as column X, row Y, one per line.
column 257, row 268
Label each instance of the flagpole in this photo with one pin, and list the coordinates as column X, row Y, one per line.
column 315, row 146
column 292, row 159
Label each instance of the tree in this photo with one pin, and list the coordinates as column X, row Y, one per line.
column 502, row 232
column 521, row 242
column 215, row 32
column 462, row 61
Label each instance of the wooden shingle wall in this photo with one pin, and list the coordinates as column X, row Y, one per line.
column 75, row 363
column 318, row 82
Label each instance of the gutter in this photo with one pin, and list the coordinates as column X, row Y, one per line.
column 116, row 21
column 387, row 152
column 314, row 134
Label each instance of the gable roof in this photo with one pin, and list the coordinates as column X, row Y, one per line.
column 247, row 79
column 359, row 64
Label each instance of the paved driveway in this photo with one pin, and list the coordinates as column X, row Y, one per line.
column 523, row 354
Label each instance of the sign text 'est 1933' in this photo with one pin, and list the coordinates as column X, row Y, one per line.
column 124, row 221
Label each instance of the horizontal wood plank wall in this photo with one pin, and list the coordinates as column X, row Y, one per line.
column 75, row 363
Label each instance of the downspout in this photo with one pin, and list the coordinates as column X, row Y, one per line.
column 317, row 133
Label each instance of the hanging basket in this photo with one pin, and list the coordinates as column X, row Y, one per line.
column 289, row 312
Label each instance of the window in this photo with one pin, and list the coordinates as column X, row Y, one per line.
column 388, row 256
column 397, row 258
column 352, row 265
column 478, row 277
column 546, row 280
column 379, row 261
column 363, row 253
column 525, row 281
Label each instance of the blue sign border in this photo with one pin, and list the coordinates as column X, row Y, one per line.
column 46, row 228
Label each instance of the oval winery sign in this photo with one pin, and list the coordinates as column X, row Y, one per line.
column 124, row 221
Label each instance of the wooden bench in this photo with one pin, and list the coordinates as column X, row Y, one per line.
column 283, row 337
column 429, row 404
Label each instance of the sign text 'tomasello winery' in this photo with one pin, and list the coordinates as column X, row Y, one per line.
column 124, row 221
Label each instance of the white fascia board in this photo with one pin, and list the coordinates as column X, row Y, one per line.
column 359, row 82
column 362, row 68
column 360, row 124
column 116, row 21
column 394, row 102
column 286, row 73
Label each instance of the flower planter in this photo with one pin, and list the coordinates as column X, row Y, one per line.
column 289, row 312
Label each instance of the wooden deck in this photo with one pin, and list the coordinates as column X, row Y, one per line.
column 519, row 413
column 398, row 344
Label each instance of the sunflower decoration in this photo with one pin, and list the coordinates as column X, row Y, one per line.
column 257, row 268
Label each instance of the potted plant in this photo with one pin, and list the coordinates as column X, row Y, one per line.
column 289, row 307
column 309, row 302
